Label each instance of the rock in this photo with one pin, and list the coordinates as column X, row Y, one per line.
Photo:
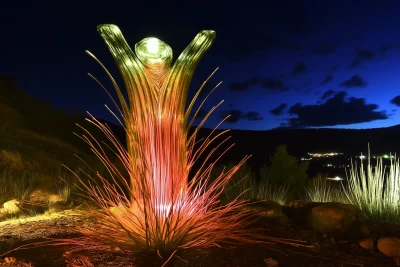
column 41, row 200
column 390, row 246
column 53, row 198
column 334, row 218
column 327, row 242
column 57, row 203
column 268, row 209
column 298, row 211
column 359, row 229
column 39, row 196
column 11, row 207
column 271, row 262
column 367, row 243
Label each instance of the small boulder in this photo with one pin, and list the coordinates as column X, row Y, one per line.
column 390, row 246
column 367, row 243
column 268, row 209
column 39, row 196
column 334, row 218
column 298, row 211
column 11, row 207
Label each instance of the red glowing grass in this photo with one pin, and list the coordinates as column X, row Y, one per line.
column 157, row 209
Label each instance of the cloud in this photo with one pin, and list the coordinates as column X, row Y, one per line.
column 271, row 84
column 327, row 79
column 354, row 81
column 356, row 62
column 278, row 110
column 327, row 94
column 239, row 87
column 208, row 87
column 274, row 85
column 236, row 115
column 325, row 49
column 252, row 116
column 300, row 68
column 201, row 113
column 387, row 48
column 396, row 100
column 362, row 55
column 246, row 85
column 365, row 54
column 334, row 111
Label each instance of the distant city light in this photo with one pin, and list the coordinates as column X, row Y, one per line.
column 323, row 155
column 337, row 178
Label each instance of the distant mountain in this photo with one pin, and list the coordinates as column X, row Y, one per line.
column 261, row 144
column 39, row 116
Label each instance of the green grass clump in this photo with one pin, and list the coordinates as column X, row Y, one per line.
column 376, row 189
column 320, row 189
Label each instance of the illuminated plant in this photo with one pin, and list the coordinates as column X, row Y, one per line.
column 320, row 189
column 267, row 191
column 376, row 190
column 158, row 209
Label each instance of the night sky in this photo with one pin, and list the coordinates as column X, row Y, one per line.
column 287, row 63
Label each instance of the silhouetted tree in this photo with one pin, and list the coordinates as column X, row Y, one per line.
column 285, row 169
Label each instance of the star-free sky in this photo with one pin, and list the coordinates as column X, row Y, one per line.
column 287, row 63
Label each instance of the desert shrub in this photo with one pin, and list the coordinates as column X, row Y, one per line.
column 375, row 189
column 285, row 170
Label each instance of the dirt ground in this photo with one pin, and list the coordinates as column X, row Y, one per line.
column 320, row 251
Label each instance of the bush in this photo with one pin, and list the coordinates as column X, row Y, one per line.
column 285, row 170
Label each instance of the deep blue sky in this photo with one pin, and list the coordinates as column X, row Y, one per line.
column 288, row 63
